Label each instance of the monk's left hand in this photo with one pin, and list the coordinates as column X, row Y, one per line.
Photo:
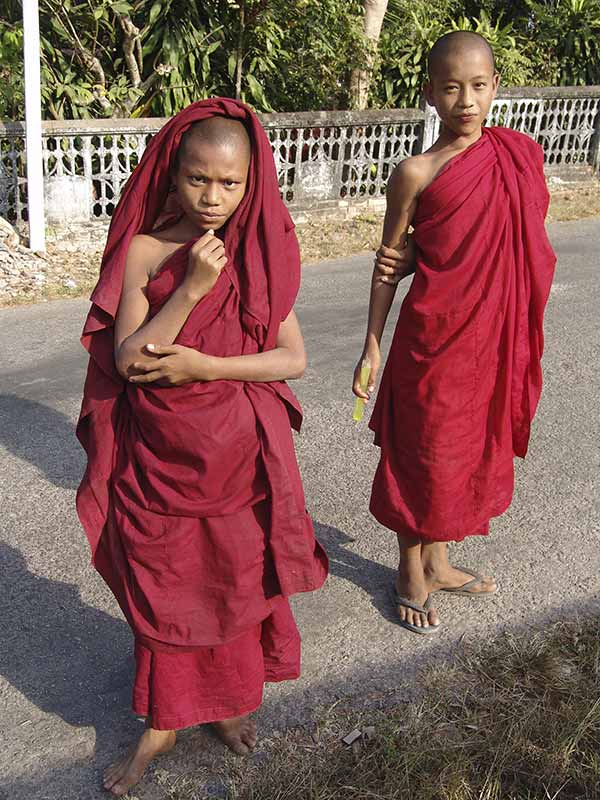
column 173, row 365
column 393, row 265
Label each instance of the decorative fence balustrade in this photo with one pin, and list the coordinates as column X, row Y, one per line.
column 565, row 121
column 324, row 159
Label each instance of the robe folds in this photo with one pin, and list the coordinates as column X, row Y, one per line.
column 192, row 500
column 463, row 376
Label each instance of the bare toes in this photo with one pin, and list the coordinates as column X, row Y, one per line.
column 485, row 585
column 249, row 735
column 115, row 773
column 127, row 780
column 121, row 776
column 238, row 734
column 120, row 789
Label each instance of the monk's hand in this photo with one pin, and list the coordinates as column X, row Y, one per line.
column 173, row 365
column 395, row 264
column 373, row 353
column 206, row 261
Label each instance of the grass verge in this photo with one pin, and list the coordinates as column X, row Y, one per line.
column 519, row 720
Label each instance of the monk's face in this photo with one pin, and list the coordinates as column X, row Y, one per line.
column 462, row 88
column 210, row 181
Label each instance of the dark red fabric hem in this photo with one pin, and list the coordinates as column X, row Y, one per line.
column 275, row 676
column 171, row 722
column 176, row 722
column 482, row 528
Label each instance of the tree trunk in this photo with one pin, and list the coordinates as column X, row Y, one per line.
column 360, row 80
column 131, row 49
column 99, row 90
column 240, row 52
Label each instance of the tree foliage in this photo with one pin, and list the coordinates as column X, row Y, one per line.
column 11, row 68
column 404, row 74
column 570, row 32
column 153, row 57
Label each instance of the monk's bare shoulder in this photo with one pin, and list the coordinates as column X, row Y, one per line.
column 409, row 178
column 404, row 186
column 147, row 252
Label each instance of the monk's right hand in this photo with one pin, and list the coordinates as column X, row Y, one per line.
column 373, row 353
column 394, row 264
column 206, row 261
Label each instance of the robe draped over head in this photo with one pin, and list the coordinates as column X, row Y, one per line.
column 463, row 376
column 175, row 475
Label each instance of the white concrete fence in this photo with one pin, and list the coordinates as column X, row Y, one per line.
column 326, row 160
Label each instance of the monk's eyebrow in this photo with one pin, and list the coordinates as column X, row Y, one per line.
column 231, row 176
column 447, row 81
column 226, row 176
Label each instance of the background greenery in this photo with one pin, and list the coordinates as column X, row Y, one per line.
column 152, row 57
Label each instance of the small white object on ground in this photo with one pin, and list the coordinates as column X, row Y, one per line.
column 352, row 736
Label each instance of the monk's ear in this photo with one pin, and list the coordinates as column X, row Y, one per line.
column 496, row 82
column 428, row 92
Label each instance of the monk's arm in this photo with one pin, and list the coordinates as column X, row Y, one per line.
column 176, row 365
column 402, row 192
column 133, row 327
column 287, row 360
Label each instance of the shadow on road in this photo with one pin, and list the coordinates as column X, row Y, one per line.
column 66, row 657
column 73, row 660
column 373, row 578
column 43, row 437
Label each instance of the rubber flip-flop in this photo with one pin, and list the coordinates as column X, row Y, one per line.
column 463, row 590
column 424, row 609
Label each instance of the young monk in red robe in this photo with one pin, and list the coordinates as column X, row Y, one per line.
column 463, row 377
column 192, row 499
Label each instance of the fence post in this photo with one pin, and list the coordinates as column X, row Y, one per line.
column 595, row 146
column 33, row 126
column 430, row 125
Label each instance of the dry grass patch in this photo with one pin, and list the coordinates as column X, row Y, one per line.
column 574, row 201
column 328, row 239
column 517, row 721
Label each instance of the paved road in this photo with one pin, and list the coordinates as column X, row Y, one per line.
column 65, row 663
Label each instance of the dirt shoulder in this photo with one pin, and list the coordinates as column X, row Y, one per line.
column 70, row 266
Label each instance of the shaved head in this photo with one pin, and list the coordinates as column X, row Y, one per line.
column 216, row 131
column 458, row 43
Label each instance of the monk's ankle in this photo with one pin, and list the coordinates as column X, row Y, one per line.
column 411, row 584
column 158, row 741
column 434, row 560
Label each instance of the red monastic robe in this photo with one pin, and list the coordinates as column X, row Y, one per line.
column 192, row 500
column 463, row 376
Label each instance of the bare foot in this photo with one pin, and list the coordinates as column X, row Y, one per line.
column 127, row 771
column 440, row 574
column 238, row 733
